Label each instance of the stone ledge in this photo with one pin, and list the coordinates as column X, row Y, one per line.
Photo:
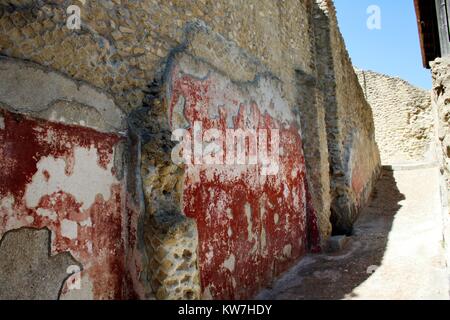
column 407, row 167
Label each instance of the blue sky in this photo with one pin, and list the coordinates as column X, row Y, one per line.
column 394, row 49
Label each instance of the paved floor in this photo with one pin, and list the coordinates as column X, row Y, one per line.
column 396, row 252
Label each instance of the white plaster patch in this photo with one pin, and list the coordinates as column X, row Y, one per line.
column 25, row 87
column 2, row 123
column 86, row 223
column 6, row 204
column 85, row 183
column 209, row 254
column 233, row 281
column 89, row 246
column 263, row 239
column 230, row 263
column 47, row 213
column 248, row 215
column 295, row 172
column 29, row 219
column 267, row 94
column 287, row 224
column 295, row 193
column 287, row 251
column 285, row 191
column 69, row 229
column 229, row 213
column 178, row 118
column 10, row 220
column 276, row 218
column 85, row 291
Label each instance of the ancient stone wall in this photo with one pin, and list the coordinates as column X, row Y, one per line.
column 441, row 100
column 167, row 64
column 265, row 202
column 62, row 169
column 353, row 153
column 404, row 118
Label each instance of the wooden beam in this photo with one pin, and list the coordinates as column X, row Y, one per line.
column 443, row 26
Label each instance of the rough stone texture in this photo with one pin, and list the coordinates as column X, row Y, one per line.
column 441, row 100
column 123, row 43
column 17, row 3
column 311, row 93
column 353, row 153
column 123, row 50
column 231, row 200
column 28, row 271
column 172, row 242
column 404, row 118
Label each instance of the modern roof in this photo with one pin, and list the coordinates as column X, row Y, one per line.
column 427, row 23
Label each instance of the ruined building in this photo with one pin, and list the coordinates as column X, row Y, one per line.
column 92, row 205
column 404, row 119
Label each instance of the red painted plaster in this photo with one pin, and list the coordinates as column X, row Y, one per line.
column 283, row 221
column 99, row 247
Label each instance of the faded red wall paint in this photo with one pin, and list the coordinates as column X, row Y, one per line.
column 283, row 221
column 360, row 169
column 99, row 246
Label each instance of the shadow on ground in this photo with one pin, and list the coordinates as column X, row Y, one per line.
column 335, row 276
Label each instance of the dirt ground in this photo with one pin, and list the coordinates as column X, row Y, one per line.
column 396, row 252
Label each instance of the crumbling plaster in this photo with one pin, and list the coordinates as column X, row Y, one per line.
column 118, row 66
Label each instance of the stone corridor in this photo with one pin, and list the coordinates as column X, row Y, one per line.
column 396, row 251
column 188, row 150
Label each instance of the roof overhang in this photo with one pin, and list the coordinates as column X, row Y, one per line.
column 428, row 30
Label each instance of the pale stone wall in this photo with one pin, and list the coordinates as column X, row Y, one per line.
column 441, row 100
column 124, row 50
column 123, row 44
column 404, row 118
column 123, row 47
column 353, row 153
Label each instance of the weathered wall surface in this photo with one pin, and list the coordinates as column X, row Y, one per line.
column 441, row 100
column 127, row 50
column 404, row 118
column 121, row 48
column 262, row 216
column 64, row 177
column 61, row 178
column 353, row 153
column 28, row 271
column 245, row 220
column 123, row 44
